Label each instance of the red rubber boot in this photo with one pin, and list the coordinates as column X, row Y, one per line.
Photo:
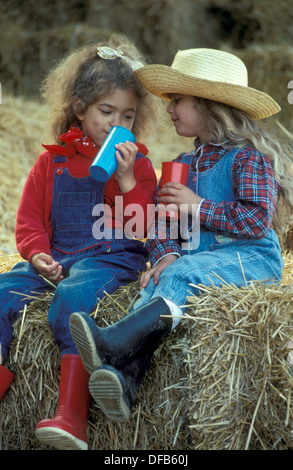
column 67, row 430
column 6, row 378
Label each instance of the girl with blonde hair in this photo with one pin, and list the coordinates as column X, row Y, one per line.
column 237, row 173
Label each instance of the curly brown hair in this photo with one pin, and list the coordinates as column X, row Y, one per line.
column 84, row 75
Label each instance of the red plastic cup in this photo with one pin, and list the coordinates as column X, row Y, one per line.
column 173, row 172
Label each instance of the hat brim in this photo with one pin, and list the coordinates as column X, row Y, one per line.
column 161, row 80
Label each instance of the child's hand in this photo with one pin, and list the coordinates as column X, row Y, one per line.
column 156, row 271
column 176, row 193
column 46, row 266
column 124, row 173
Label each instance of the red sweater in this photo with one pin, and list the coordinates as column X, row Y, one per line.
column 33, row 224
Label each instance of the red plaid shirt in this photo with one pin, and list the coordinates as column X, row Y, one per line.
column 256, row 191
column 255, row 188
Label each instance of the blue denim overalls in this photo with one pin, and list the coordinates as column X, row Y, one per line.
column 216, row 258
column 90, row 266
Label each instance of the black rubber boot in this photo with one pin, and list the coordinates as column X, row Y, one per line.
column 120, row 343
column 114, row 389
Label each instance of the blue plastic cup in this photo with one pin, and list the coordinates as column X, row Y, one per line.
column 105, row 163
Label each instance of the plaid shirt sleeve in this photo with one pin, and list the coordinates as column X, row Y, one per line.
column 158, row 249
column 250, row 216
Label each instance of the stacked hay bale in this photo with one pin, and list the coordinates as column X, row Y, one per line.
column 221, row 381
column 27, row 56
column 270, row 68
column 33, row 36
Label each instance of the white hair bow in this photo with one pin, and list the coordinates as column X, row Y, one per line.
column 106, row 52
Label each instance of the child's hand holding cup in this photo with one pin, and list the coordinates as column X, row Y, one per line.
column 105, row 163
column 173, row 172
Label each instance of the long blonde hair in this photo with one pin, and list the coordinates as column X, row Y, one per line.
column 86, row 76
column 221, row 123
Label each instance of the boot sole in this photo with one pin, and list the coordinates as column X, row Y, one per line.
column 106, row 390
column 85, row 343
column 60, row 439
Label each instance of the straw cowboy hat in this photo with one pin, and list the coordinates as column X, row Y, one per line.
column 208, row 73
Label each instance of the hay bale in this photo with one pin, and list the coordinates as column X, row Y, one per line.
column 241, row 384
column 22, row 128
column 8, row 261
column 27, row 56
column 33, row 396
column 270, row 70
column 221, row 382
column 33, row 34
column 246, row 21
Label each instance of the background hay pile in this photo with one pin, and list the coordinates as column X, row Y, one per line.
column 34, row 35
column 220, row 382
column 270, row 68
column 22, row 127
